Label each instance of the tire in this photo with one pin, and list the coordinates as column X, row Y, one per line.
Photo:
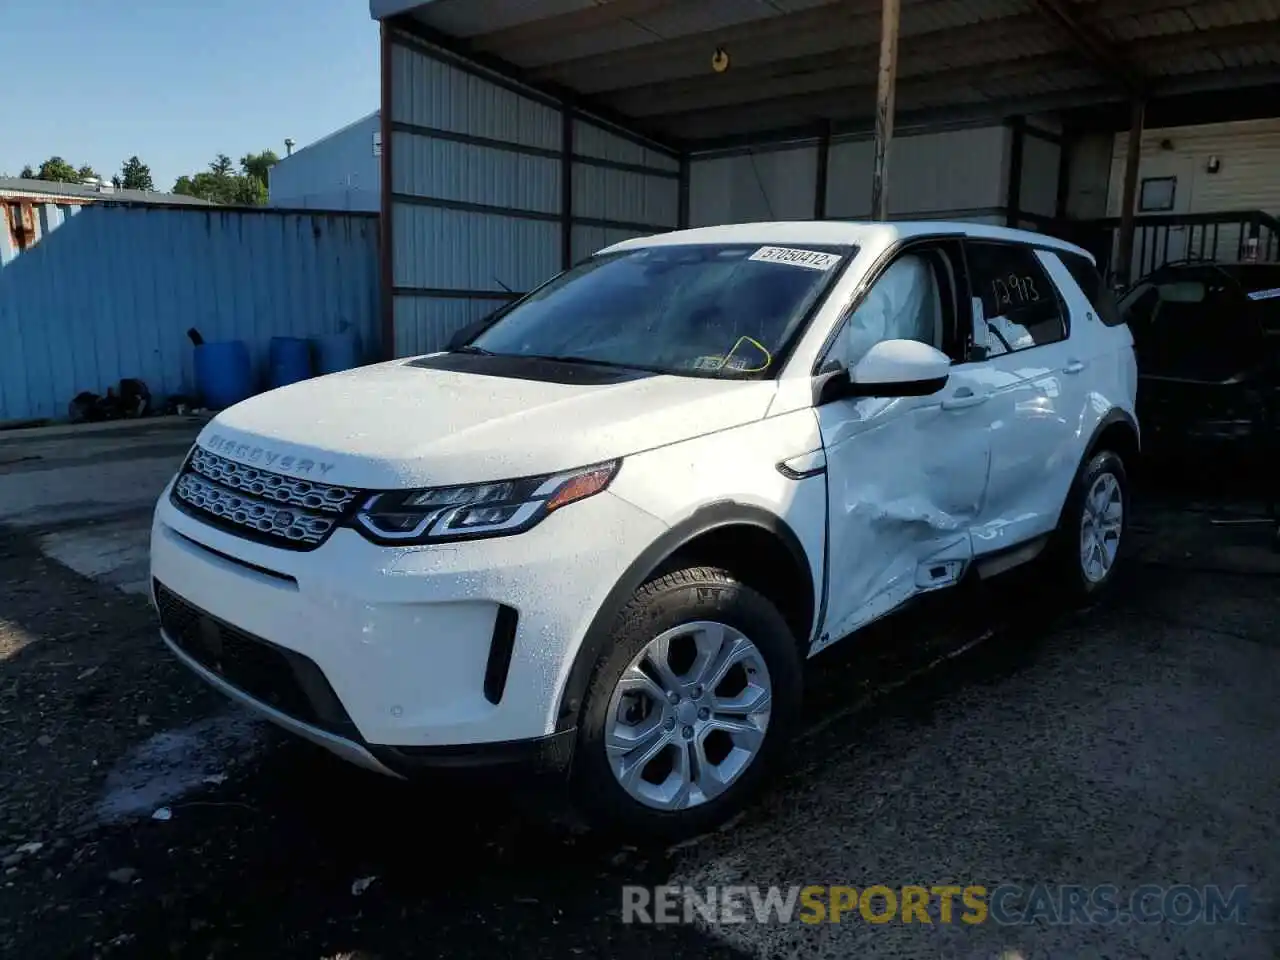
column 1079, row 581
column 685, row 606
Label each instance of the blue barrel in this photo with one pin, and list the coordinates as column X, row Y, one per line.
column 224, row 375
column 290, row 361
column 337, row 351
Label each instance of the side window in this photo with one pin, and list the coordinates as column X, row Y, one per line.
column 1020, row 307
column 912, row 299
column 1198, row 329
column 1091, row 283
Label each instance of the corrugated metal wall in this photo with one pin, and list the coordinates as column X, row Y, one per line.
column 337, row 172
column 621, row 189
column 775, row 184
column 477, row 192
column 110, row 292
column 1088, row 170
column 952, row 174
column 1038, row 192
column 961, row 174
column 24, row 223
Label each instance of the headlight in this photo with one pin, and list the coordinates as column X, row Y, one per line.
column 477, row 510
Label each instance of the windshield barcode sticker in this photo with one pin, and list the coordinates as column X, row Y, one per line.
column 1265, row 294
column 810, row 259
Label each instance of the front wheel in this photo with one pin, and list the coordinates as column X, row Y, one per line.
column 688, row 708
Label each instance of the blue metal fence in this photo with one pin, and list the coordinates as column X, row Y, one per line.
column 101, row 292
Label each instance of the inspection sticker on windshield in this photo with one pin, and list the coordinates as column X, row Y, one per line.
column 1265, row 294
column 811, row 259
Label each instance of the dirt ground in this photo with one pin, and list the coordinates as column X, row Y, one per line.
column 980, row 739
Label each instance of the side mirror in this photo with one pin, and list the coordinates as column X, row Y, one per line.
column 891, row 368
column 900, row 368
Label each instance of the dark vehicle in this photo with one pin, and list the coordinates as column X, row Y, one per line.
column 1207, row 337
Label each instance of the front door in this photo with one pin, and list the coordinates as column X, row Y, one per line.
column 905, row 476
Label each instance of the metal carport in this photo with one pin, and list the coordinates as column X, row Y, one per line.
column 520, row 135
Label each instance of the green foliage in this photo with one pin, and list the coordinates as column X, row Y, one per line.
column 58, row 170
column 86, row 172
column 222, row 184
column 135, row 175
column 27, row 173
column 221, row 166
column 256, row 165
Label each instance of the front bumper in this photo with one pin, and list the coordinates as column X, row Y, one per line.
column 551, row 754
column 386, row 656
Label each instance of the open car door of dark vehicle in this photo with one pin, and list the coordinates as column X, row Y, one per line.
column 1204, row 362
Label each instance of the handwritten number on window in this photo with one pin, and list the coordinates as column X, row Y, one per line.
column 1014, row 290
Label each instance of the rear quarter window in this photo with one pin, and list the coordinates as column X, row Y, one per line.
column 1090, row 281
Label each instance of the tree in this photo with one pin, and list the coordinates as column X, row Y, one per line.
column 136, row 175
column 221, row 184
column 256, row 165
column 58, row 170
column 86, row 172
column 250, row 192
column 221, row 166
column 27, row 173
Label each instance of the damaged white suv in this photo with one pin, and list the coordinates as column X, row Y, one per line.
column 602, row 531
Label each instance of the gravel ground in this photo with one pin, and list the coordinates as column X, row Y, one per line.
column 1136, row 743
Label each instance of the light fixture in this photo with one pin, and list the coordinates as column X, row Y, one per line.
column 720, row 60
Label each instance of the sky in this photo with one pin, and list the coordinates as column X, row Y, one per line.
column 179, row 81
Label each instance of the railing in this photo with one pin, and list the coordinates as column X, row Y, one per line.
column 1162, row 238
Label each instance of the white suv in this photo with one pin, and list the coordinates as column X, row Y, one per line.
column 602, row 531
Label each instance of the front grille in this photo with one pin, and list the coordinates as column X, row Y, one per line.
column 284, row 679
column 255, row 503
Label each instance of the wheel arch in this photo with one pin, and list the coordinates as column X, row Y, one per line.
column 1117, row 431
column 701, row 540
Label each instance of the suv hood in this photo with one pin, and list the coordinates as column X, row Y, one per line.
column 396, row 425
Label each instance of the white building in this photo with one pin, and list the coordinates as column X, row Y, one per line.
column 337, row 172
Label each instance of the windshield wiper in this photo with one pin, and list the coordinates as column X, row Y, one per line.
column 474, row 350
column 585, row 361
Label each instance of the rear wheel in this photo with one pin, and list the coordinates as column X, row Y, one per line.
column 1091, row 534
column 688, row 708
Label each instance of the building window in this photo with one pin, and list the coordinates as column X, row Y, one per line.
column 1156, row 195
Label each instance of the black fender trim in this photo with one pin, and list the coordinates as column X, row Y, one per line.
column 1114, row 416
column 725, row 513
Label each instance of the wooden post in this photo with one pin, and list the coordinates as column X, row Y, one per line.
column 886, row 81
column 1132, row 157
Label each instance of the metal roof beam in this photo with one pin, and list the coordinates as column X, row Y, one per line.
column 1094, row 48
column 843, row 68
column 596, row 17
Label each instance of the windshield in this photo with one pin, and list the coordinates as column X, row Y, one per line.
column 715, row 310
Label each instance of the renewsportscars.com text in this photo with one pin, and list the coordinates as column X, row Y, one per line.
column 1007, row 904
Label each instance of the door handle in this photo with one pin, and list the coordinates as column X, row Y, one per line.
column 964, row 397
column 1073, row 366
